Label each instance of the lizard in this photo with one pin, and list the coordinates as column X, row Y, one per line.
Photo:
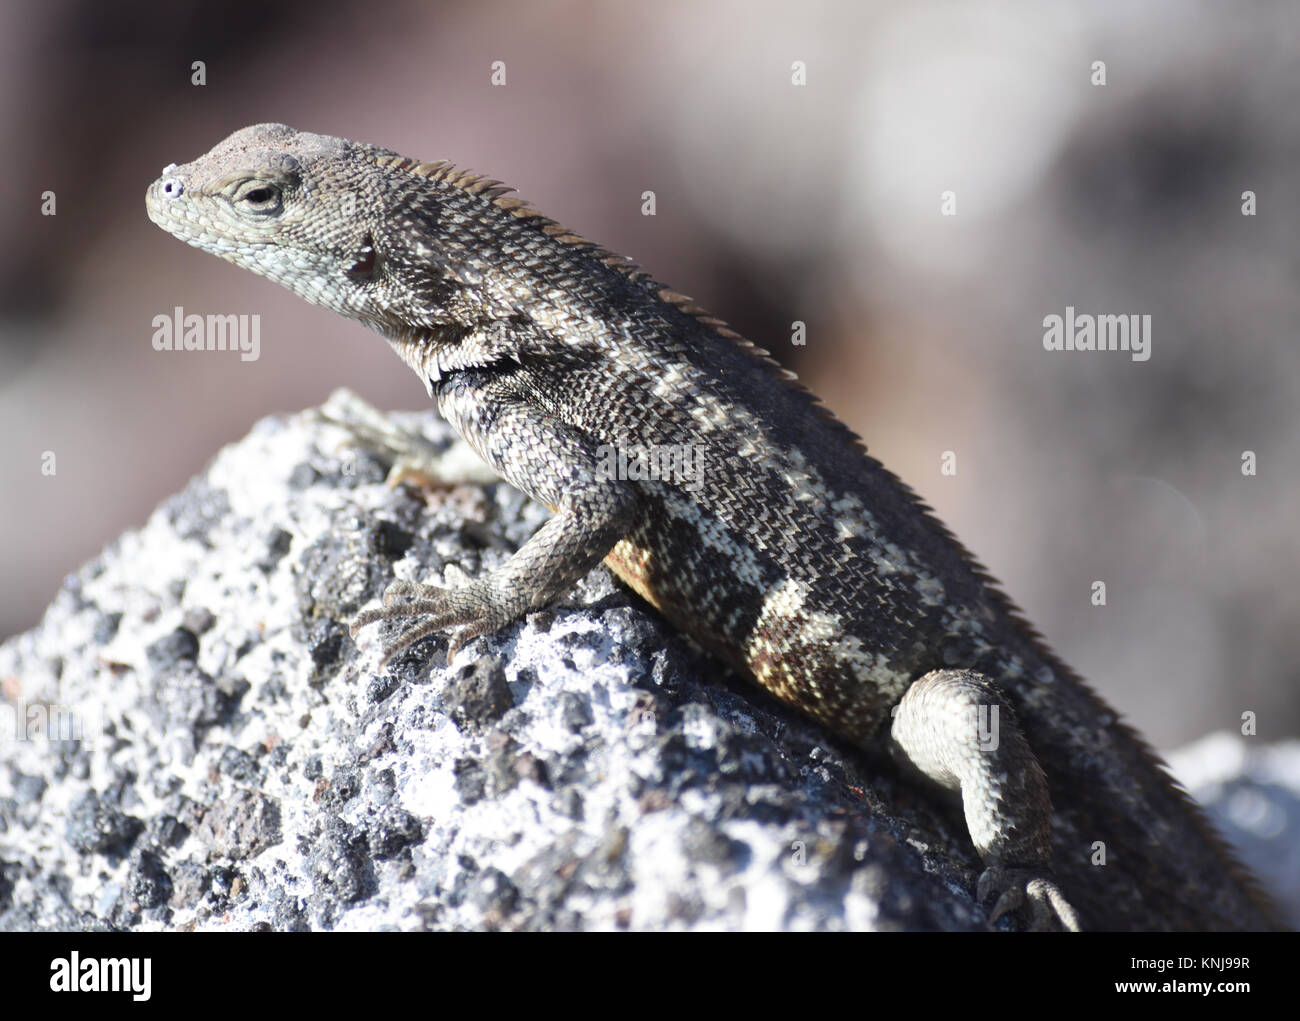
column 792, row 554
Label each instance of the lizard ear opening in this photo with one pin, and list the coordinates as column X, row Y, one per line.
column 366, row 264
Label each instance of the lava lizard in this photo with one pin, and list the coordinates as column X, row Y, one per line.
column 788, row 551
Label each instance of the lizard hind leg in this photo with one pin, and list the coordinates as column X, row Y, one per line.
column 957, row 729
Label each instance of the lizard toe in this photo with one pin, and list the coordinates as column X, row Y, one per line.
column 400, row 591
column 1018, row 889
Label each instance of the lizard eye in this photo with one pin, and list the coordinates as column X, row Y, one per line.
column 259, row 197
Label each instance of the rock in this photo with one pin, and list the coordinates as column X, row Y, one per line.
column 201, row 745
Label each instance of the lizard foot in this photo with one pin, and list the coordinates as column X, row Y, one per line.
column 1016, row 888
column 468, row 610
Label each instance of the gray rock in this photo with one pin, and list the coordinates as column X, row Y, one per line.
column 199, row 744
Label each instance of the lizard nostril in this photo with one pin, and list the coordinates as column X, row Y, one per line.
column 172, row 188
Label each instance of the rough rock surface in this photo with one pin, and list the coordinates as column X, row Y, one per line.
column 192, row 741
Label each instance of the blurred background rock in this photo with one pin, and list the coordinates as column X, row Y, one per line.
column 775, row 203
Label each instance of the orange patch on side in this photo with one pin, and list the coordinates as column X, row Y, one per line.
column 632, row 564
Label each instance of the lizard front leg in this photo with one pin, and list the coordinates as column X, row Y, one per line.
column 551, row 462
column 958, row 730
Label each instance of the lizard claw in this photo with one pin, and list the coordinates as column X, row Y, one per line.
column 464, row 634
column 1015, row 888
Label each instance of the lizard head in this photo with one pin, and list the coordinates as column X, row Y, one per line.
column 312, row 213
